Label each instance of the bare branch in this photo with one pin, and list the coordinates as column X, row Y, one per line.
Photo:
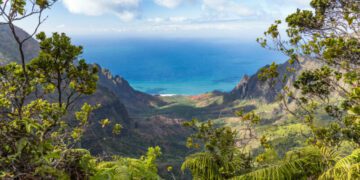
column 40, row 21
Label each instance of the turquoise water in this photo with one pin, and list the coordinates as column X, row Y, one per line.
column 178, row 66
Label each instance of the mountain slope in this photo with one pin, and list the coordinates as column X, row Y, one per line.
column 135, row 101
column 9, row 48
column 120, row 103
column 251, row 87
column 132, row 99
column 150, row 121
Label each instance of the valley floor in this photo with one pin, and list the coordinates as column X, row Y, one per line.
column 163, row 125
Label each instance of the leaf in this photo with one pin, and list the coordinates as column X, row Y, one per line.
column 117, row 129
column 345, row 168
column 104, row 123
column 20, row 145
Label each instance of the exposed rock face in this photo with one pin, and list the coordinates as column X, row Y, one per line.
column 241, row 88
column 120, row 88
column 251, row 87
column 134, row 101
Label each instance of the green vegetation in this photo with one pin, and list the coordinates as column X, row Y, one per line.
column 39, row 124
column 221, row 157
column 324, row 103
column 311, row 132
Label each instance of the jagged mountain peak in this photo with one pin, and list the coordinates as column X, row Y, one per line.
column 251, row 87
column 119, row 101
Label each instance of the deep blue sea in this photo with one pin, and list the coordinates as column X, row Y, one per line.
column 185, row 66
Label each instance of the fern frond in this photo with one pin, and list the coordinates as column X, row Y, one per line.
column 330, row 155
column 302, row 163
column 202, row 165
column 286, row 170
column 346, row 168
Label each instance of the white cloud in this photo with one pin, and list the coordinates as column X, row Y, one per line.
column 286, row 3
column 214, row 17
column 302, row 2
column 280, row 9
column 168, row 3
column 170, row 20
column 178, row 19
column 226, row 8
column 246, row 30
column 156, row 20
column 126, row 10
column 60, row 26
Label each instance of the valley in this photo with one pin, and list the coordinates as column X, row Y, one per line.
column 260, row 117
column 154, row 120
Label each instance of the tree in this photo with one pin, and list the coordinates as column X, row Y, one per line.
column 40, row 125
column 13, row 11
column 329, row 34
column 35, row 133
column 58, row 67
column 220, row 159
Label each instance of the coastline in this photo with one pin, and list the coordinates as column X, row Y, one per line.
column 168, row 95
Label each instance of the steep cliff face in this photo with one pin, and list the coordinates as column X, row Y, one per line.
column 119, row 102
column 135, row 101
column 118, row 86
column 251, row 87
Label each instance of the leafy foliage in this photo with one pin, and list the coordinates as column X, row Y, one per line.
column 17, row 10
column 127, row 168
column 41, row 118
column 39, row 138
column 59, row 69
column 330, row 35
column 221, row 158
column 298, row 164
column 345, row 168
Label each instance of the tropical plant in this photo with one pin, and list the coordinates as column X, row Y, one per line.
column 302, row 163
column 345, row 168
column 328, row 35
column 41, row 117
column 220, row 158
column 127, row 168
column 35, row 132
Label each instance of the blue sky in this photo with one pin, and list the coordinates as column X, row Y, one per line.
column 245, row 19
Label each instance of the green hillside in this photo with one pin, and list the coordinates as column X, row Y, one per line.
column 62, row 118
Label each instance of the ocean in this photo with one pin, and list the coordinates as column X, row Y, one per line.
column 183, row 66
